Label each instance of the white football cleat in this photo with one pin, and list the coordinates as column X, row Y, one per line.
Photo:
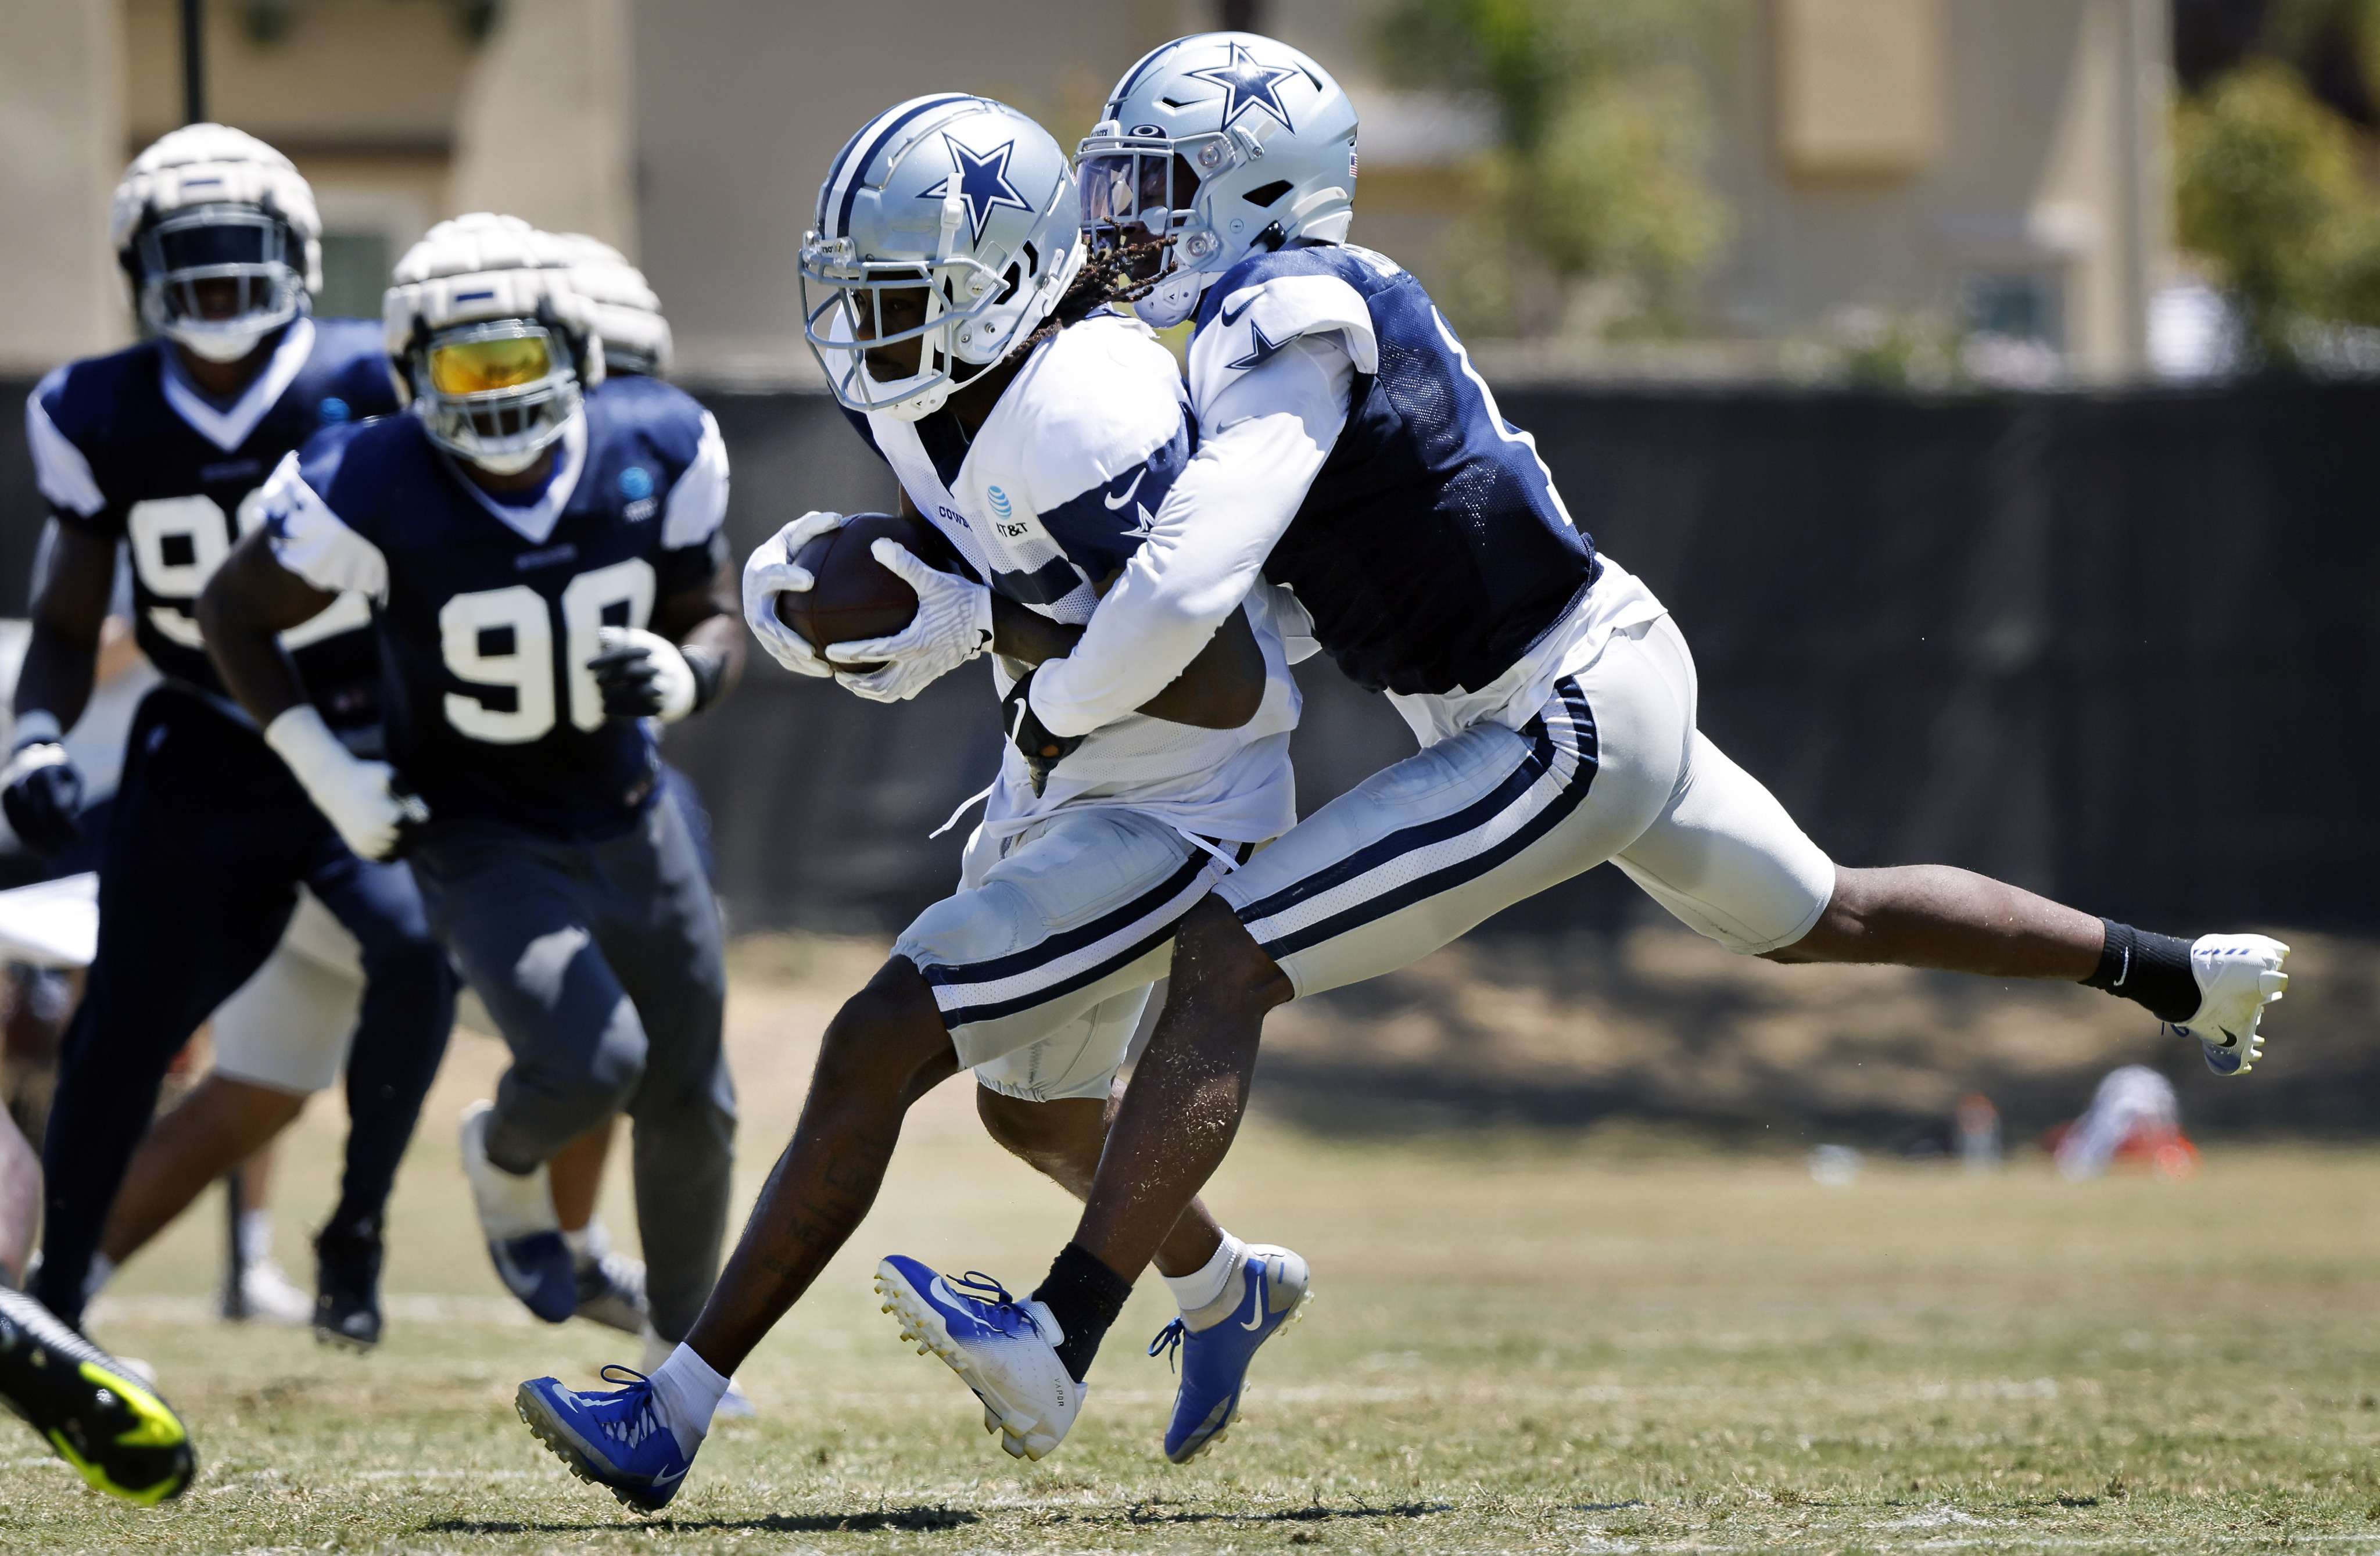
column 1003, row 1349
column 2237, row 977
column 267, row 1293
column 516, row 1218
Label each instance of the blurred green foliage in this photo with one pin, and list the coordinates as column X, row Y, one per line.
column 1594, row 186
column 2274, row 188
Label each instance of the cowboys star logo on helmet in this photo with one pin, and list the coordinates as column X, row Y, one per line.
column 982, row 179
column 1251, row 84
column 1236, row 145
column 933, row 257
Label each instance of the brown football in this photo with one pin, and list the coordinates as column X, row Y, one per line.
column 854, row 598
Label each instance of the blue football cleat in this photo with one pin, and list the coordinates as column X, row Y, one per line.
column 1003, row 1349
column 615, row 1438
column 1271, row 1289
column 539, row 1269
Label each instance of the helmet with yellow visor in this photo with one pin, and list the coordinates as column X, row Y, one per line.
column 489, row 340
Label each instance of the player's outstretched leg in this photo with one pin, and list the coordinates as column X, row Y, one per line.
column 113, row 1429
column 1213, row 1275
column 885, row 1049
column 2214, row 989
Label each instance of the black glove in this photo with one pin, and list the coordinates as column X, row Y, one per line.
column 1041, row 749
column 644, row 675
column 41, row 790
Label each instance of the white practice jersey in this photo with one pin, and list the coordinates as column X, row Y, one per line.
column 1050, row 501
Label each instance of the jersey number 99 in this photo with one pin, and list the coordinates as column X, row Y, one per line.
column 178, row 543
column 501, row 639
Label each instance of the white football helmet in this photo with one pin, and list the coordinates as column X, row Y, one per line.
column 961, row 205
column 636, row 340
column 488, row 340
column 212, row 205
column 1223, row 142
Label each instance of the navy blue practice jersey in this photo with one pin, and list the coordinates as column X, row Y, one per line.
column 488, row 611
column 126, row 449
column 1432, row 549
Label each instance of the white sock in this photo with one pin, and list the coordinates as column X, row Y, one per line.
column 1205, row 1283
column 688, row 1392
column 102, row 1271
column 510, row 1204
column 255, row 1237
column 588, row 1244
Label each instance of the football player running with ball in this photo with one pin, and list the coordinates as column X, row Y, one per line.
column 1353, row 453
column 161, row 448
column 547, row 572
column 947, row 295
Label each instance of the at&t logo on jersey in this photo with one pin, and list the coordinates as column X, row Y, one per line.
column 999, row 502
column 637, row 486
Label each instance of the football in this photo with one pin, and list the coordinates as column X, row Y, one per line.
column 853, row 597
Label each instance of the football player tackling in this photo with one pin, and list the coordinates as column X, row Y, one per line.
column 547, row 572
column 1351, row 453
column 947, row 295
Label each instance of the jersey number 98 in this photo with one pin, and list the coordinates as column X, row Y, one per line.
column 501, row 639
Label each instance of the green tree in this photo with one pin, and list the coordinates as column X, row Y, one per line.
column 2269, row 192
column 1601, row 131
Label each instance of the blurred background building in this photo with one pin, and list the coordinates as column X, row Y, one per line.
column 1926, row 189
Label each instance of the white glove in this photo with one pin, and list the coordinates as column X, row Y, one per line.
column 643, row 676
column 770, row 571
column 953, row 624
column 358, row 796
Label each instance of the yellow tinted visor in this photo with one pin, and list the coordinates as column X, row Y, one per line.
column 474, row 367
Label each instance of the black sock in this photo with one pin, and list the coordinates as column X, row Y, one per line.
column 2150, row 968
column 1084, row 1296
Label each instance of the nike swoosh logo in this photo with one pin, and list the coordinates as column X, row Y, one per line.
column 1258, row 1322
column 1115, row 503
column 666, row 1479
column 1231, row 318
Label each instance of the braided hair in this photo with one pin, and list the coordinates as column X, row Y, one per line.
column 1103, row 279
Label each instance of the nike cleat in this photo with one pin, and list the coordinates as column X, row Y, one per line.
column 1268, row 1291
column 113, row 1429
column 1003, row 1349
column 615, row 1438
column 611, row 1292
column 346, row 1285
column 2237, row 977
column 518, row 1220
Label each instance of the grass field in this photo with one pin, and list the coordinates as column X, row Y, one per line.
column 1519, row 1342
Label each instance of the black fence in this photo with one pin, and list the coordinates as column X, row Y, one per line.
column 2120, row 647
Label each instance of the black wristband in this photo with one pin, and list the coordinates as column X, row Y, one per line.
column 710, row 667
column 2151, row 969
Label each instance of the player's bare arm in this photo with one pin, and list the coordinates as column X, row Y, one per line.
column 40, row 787
column 1221, row 688
column 64, row 651
column 245, row 607
column 706, row 619
column 252, row 599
